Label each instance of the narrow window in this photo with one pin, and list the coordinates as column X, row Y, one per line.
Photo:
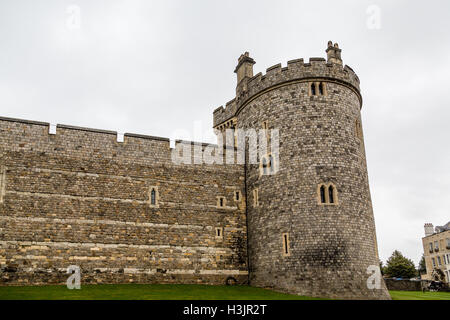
column 264, row 165
column 237, row 196
column 153, row 197
column 321, row 89
column 255, row 198
column 286, row 251
column 313, row 89
column 322, row 194
column 219, row 232
column 439, row 260
column 271, row 164
column 431, row 246
column 436, row 246
column 221, row 202
column 434, row 262
column 331, row 194
column 2, row 183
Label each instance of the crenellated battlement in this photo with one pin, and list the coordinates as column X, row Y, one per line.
column 295, row 71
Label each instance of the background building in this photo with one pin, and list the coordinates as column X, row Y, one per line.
column 436, row 246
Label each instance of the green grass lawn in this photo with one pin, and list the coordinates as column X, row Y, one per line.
column 144, row 292
column 174, row 292
column 418, row 295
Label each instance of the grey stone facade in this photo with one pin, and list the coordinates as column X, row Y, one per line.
column 79, row 197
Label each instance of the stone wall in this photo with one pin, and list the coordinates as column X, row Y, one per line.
column 81, row 198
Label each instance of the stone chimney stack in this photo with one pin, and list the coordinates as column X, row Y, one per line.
column 429, row 229
column 244, row 69
column 333, row 53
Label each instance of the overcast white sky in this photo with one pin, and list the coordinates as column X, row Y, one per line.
column 154, row 67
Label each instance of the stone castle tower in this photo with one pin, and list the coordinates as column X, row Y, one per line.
column 298, row 220
column 311, row 227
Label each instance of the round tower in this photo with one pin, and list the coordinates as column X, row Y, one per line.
column 311, row 227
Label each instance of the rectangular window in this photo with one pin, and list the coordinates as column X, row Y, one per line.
column 219, row 233
column 153, row 197
column 237, row 196
column 439, row 261
column 434, row 262
column 431, row 246
column 286, row 249
column 2, row 183
column 221, row 202
column 255, row 197
column 448, row 243
column 436, row 246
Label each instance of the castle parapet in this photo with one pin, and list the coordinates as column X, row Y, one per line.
column 296, row 70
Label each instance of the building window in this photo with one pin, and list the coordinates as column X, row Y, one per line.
column 2, row 183
column 237, row 196
column 436, row 246
column 322, row 194
column 219, row 233
column 267, row 165
column 431, row 247
column 327, row 194
column 358, row 129
column 331, row 194
column 439, row 261
column 154, row 196
column 221, row 202
column 448, row 243
column 321, row 89
column 317, row 89
column 313, row 89
column 286, row 249
column 434, row 262
column 255, row 198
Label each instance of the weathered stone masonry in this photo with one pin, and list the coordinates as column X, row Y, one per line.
column 79, row 197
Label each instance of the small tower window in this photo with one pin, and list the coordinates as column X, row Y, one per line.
column 219, row 233
column 327, row 194
column 264, row 165
column 255, row 197
column 221, row 202
column 313, row 89
column 153, row 197
column 331, row 194
column 286, row 249
column 321, row 89
column 322, row 194
column 237, row 196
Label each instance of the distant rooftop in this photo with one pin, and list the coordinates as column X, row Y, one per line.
column 443, row 228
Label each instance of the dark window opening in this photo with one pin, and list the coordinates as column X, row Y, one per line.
column 153, row 197
column 221, row 202
column 322, row 194
column 321, row 89
column 237, row 195
column 286, row 249
column 331, row 194
column 313, row 89
column 264, row 165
